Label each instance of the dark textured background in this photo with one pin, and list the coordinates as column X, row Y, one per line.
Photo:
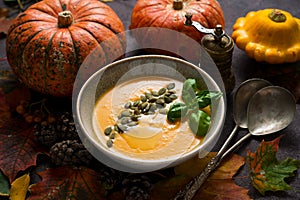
column 243, row 68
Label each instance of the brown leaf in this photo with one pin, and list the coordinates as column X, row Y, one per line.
column 68, row 183
column 220, row 185
column 18, row 148
column 14, row 92
column 4, row 110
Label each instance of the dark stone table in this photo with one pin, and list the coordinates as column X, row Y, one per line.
column 243, row 68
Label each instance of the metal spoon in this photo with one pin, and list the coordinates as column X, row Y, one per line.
column 269, row 110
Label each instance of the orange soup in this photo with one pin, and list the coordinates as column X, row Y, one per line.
column 151, row 136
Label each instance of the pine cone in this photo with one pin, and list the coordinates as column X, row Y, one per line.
column 66, row 127
column 137, row 187
column 45, row 134
column 70, row 152
column 110, row 178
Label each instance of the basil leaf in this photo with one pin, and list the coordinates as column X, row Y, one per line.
column 205, row 97
column 177, row 111
column 199, row 122
column 189, row 92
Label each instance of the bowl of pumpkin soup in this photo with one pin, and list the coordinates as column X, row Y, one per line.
column 150, row 112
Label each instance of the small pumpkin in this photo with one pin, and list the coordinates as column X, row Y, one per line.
column 269, row 35
column 170, row 14
column 48, row 42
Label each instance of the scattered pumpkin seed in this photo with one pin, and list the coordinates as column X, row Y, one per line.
column 122, row 127
column 152, row 107
column 127, row 105
column 163, row 111
column 109, row 143
column 160, row 101
column 155, row 93
column 108, row 130
column 152, row 99
column 171, row 86
column 112, row 136
column 167, row 99
column 162, row 91
column 172, row 91
column 125, row 113
column 135, row 117
column 136, row 103
column 133, row 123
column 143, row 98
column 148, row 95
column 173, row 96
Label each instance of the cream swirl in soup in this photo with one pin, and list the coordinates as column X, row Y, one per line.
column 153, row 137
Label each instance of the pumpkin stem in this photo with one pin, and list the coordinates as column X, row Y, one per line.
column 65, row 19
column 277, row 16
column 177, row 4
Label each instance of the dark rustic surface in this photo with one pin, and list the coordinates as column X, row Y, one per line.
column 243, row 68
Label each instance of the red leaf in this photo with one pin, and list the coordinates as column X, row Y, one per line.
column 4, row 110
column 68, row 183
column 18, row 148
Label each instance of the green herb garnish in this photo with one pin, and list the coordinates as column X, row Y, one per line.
column 194, row 100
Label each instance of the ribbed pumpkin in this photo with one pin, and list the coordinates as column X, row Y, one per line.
column 170, row 14
column 48, row 42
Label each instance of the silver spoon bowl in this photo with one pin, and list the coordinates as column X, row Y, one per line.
column 271, row 109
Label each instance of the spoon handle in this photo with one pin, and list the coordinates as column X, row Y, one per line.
column 235, row 145
column 193, row 186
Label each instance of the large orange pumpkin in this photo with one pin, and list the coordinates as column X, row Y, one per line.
column 170, row 14
column 48, row 42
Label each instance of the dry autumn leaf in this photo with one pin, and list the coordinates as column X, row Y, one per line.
column 68, row 183
column 266, row 172
column 18, row 148
column 19, row 187
column 220, row 184
column 4, row 110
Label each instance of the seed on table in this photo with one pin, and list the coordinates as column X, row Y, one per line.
column 137, row 111
column 108, row 130
column 163, row 111
column 161, row 91
column 127, row 105
column 155, row 93
column 171, row 86
column 109, row 143
column 167, row 94
column 125, row 113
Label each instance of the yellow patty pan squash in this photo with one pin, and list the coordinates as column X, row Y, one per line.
column 269, row 35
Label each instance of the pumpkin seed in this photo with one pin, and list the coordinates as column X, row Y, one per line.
column 167, row 94
column 125, row 113
column 135, row 117
column 128, row 105
column 109, row 143
column 163, row 111
column 136, row 103
column 148, row 95
column 108, row 130
column 155, row 93
column 143, row 98
column 122, row 127
column 152, row 100
column 172, row 91
column 133, row 123
column 160, row 101
column 173, row 96
column 161, row 91
column 144, row 105
column 167, row 99
column 125, row 120
column 152, row 107
column 171, row 86
column 112, row 136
